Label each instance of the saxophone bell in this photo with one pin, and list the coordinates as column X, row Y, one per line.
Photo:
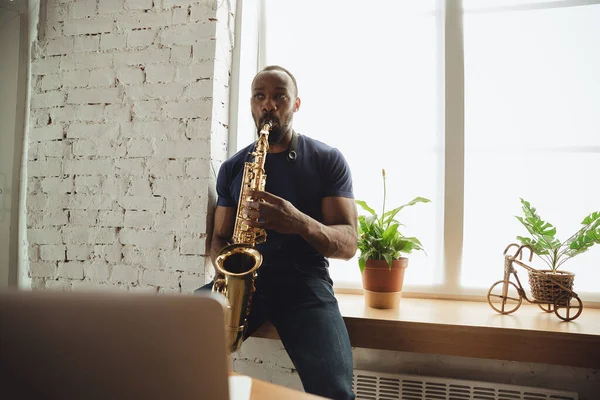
column 238, row 259
column 238, row 264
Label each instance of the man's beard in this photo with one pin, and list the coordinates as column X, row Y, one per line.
column 275, row 135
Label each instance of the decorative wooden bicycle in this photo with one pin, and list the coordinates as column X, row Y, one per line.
column 506, row 297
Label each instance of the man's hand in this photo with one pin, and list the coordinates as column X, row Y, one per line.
column 335, row 238
column 274, row 213
column 219, row 282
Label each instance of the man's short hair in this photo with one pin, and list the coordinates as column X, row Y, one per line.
column 278, row 68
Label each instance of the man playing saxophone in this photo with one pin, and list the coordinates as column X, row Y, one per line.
column 309, row 215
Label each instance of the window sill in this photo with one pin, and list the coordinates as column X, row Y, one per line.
column 470, row 329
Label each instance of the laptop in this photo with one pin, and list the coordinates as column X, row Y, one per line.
column 114, row 346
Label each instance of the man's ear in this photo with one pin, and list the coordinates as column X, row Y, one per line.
column 297, row 104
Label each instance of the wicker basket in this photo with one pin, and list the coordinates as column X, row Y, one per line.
column 544, row 287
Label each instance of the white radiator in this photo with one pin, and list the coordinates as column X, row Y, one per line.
column 370, row 385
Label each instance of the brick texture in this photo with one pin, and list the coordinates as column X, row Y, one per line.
column 126, row 97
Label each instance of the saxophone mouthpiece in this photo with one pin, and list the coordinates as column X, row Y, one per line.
column 267, row 126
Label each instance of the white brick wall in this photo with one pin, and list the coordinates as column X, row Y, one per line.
column 125, row 99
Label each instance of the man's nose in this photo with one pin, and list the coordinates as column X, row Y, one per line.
column 269, row 105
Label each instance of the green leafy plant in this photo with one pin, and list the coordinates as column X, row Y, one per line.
column 379, row 236
column 543, row 239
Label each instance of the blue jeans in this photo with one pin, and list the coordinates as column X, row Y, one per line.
column 307, row 317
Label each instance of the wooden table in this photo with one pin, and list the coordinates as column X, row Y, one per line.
column 262, row 390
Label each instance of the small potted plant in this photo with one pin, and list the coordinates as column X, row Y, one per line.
column 553, row 252
column 381, row 245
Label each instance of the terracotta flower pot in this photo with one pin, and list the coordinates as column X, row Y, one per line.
column 382, row 285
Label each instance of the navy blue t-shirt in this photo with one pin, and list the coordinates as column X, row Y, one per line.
column 319, row 171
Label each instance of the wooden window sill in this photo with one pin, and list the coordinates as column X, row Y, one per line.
column 470, row 329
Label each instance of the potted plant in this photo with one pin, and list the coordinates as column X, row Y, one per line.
column 553, row 252
column 381, row 246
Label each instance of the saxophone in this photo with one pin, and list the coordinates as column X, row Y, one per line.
column 239, row 261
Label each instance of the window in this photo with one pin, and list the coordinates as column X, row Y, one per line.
column 383, row 82
column 532, row 128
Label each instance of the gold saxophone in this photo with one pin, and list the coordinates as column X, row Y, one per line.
column 239, row 261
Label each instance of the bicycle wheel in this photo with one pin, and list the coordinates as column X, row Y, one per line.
column 547, row 307
column 568, row 307
column 504, row 304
